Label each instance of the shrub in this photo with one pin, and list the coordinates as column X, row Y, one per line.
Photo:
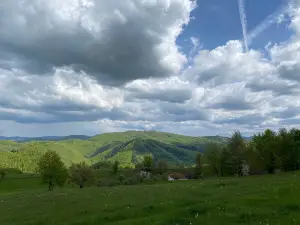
column 160, row 177
column 143, row 175
column 81, row 174
column 245, row 170
column 107, row 183
column 131, row 181
column 148, row 180
column 121, row 178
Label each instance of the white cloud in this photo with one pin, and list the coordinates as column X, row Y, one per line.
column 61, row 88
column 171, row 90
column 227, row 64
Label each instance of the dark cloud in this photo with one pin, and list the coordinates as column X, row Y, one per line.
column 290, row 71
column 278, row 88
column 233, row 103
column 181, row 112
column 173, row 96
column 289, row 112
column 114, row 43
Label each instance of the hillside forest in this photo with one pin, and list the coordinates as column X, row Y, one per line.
column 266, row 152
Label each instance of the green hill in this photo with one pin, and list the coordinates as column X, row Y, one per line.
column 128, row 148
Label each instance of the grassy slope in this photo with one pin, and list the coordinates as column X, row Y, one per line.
column 249, row 200
column 127, row 147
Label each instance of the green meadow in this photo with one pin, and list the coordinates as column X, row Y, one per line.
column 264, row 199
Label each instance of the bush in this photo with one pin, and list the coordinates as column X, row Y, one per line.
column 131, row 181
column 245, row 170
column 121, row 178
column 163, row 177
column 148, row 180
column 81, row 174
column 107, row 183
column 143, row 176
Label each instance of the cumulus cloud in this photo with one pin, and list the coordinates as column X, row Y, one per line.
column 287, row 55
column 227, row 64
column 114, row 42
column 85, row 67
column 170, row 90
column 64, row 96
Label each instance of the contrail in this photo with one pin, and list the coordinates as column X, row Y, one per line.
column 269, row 21
column 243, row 18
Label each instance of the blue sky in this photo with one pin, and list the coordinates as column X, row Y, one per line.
column 197, row 68
column 217, row 21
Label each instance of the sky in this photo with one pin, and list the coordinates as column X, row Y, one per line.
column 206, row 67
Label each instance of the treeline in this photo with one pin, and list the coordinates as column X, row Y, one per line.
column 24, row 159
column 265, row 153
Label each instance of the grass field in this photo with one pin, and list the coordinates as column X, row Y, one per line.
column 250, row 200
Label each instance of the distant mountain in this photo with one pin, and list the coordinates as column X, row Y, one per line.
column 128, row 148
column 248, row 138
column 45, row 138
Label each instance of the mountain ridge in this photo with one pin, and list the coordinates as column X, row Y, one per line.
column 128, row 148
column 43, row 138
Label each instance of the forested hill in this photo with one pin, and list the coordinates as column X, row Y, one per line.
column 128, row 148
column 44, row 138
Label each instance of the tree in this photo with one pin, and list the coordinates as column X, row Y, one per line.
column 289, row 149
column 198, row 168
column 115, row 167
column 52, row 169
column 252, row 156
column 162, row 166
column 148, row 162
column 267, row 146
column 234, row 154
column 81, row 174
column 286, row 150
column 296, row 150
column 213, row 157
column 225, row 162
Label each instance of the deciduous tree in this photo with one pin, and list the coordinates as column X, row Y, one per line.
column 234, row 154
column 148, row 163
column 52, row 169
column 213, row 157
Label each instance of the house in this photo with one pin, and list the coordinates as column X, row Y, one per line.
column 176, row 176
